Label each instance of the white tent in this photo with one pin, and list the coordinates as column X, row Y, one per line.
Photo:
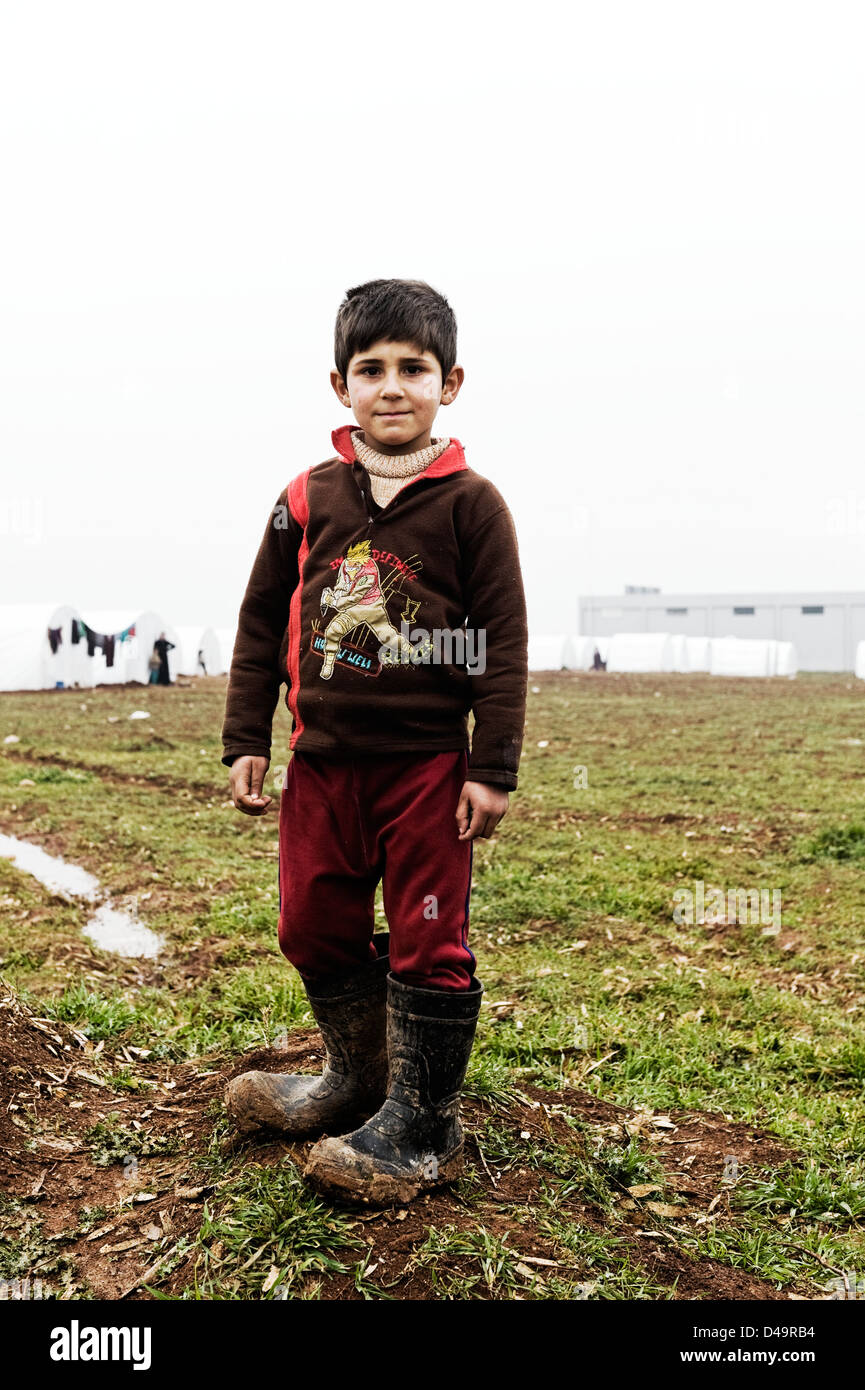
column 786, row 663
column 723, row 656
column 130, row 657
column 225, row 637
column 742, row 656
column 28, row 663
column 698, row 653
column 602, row 645
column 679, row 646
column 552, row 653
column 26, row 659
column 195, row 640
column 579, row 652
column 640, row 651
column 860, row 660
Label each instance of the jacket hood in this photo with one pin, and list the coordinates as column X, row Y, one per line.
column 451, row 461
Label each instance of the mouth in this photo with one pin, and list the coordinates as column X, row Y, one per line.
column 392, row 414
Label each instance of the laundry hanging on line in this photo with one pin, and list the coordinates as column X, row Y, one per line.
column 104, row 642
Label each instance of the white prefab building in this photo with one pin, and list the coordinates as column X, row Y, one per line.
column 823, row 628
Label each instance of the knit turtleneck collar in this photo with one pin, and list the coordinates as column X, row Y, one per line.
column 396, row 465
column 453, row 460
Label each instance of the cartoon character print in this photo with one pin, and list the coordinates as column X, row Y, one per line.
column 360, row 601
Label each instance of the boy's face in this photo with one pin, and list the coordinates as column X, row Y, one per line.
column 395, row 391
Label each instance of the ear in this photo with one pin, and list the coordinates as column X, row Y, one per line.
column 452, row 384
column 341, row 389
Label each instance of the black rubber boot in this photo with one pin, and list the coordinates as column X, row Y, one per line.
column 415, row 1141
column 351, row 1013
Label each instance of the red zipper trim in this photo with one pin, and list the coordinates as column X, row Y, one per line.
column 298, row 505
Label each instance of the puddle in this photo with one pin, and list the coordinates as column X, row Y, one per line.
column 110, row 928
column 66, row 879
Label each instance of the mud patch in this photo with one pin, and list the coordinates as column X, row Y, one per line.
column 105, row 1189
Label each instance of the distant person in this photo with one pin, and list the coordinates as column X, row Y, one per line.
column 597, row 663
column 381, row 783
column 162, row 647
column 201, row 662
column 153, row 666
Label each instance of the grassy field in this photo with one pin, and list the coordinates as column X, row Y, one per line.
column 657, row 1107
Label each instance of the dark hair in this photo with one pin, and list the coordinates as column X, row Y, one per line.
column 409, row 311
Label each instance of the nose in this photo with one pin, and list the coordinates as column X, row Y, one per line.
column 391, row 385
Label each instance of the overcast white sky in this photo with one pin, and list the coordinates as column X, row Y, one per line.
column 647, row 216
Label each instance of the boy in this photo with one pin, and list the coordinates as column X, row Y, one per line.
column 392, row 531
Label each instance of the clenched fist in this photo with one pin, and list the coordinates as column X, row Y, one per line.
column 246, row 778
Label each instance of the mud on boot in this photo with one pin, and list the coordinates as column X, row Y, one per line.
column 351, row 1013
column 415, row 1141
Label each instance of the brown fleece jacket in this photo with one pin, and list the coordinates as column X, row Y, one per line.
column 387, row 624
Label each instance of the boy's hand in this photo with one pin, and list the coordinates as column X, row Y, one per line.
column 480, row 809
column 246, row 777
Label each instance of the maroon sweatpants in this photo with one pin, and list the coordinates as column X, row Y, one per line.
column 346, row 824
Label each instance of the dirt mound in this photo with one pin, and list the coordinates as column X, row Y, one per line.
column 102, row 1165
